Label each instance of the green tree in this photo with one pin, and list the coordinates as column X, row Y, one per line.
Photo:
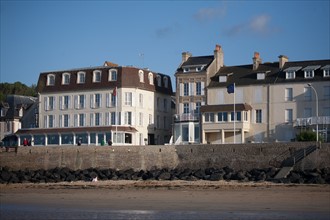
column 16, row 88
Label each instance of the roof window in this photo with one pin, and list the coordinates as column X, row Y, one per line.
column 261, row 76
column 96, row 76
column 309, row 71
column 326, row 71
column 50, row 79
column 291, row 72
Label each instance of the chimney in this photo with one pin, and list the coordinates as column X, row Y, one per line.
column 256, row 60
column 218, row 56
column 185, row 56
column 282, row 60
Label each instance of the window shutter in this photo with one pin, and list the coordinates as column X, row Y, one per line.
column 45, row 103
column 60, row 121
column 69, row 102
column 91, row 119
column 45, row 122
column 133, row 99
column 100, row 101
column 181, row 89
column 76, row 102
column 107, row 97
column 61, row 102
column 191, row 89
column 75, row 123
column 92, row 100
column 202, row 88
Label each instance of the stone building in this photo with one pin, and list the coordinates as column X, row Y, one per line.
column 127, row 105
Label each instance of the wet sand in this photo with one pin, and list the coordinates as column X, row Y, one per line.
column 221, row 199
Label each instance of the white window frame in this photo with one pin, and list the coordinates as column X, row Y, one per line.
column 128, row 118
column 186, row 109
column 65, row 78
column 141, row 76
column 288, row 94
column 198, row 88
column 186, row 89
column 50, row 80
column 151, row 78
column 97, row 76
column 113, row 75
column 81, row 79
column 128, row 98
column 258, row 116
column 290, row 74
column 209, row 117
column 326, row 73
column 309, row 74
column 288, row 115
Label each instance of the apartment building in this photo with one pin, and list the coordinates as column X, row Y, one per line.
column 192, row 77
column 267, row 102
column 17, row 112
column 127, row 105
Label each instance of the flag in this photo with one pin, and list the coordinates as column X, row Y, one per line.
column 114, row 93
column 231, row 88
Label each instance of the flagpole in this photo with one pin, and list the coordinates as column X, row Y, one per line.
column 116, row 115
column 234, row 115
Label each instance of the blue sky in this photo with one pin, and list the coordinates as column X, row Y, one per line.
column 41, row 36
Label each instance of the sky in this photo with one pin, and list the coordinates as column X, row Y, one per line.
column 42, row 36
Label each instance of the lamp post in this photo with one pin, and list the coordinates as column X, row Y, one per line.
column 317, row 112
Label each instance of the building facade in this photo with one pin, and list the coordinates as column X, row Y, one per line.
column 267, row 102
column 124, row 105
column 192, row 77
column 17, row 112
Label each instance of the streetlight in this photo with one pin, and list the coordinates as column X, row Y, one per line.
column 317, row 112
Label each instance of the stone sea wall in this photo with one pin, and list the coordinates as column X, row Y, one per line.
column 236, row 156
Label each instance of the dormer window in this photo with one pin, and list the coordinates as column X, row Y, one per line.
column 260, row 76
column 222, row 78
column 186, row 69
column 199, row 68
column 309, row 71
column 81, row 77
column 96, row 76
column 50, row 80
column 65, row 78
column 112, row 75
column 151, row 79
column 166, row 82
column 290, row 73
column 159, row 80
column 326, row 71
column 141, row 76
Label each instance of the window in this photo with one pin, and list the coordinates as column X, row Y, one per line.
column 199, row 68
column 326, row 92
column 198, row 107
column 50, row 80
column 222, row 78
column 258, row 116
column 128, row 118
column 238, row 116
column 141, row 100
column 81, row 120
column 245, row 116
column 159, row 81
column 158, row 103
column 128, row 98
column 186, row 89
column 81, row 77
column 209, row 117
column 186, row 69
column 165, row 82
column 115, row 121
column 288, row 95
column 165, row 104
column 65, row 102
column 290, row 75
column 49, row 103
column 307, row 112
column 222, row 116
column 140, row 118
column 97, row 76
column 151, row 79
column 185, row 108
column 97, row 119
column 150, row 119
column 65, row 78
column 141, row 76
column 261, row 76
column 81, row 101
column 309, row 73
column 326, row 73
column 66, row 120
column 308, row 93
column 112, row 75
column 51, row 119
column 96, row 100
column 198, row 88
column 288, row 116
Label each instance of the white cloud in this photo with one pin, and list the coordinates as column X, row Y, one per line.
column 209, row 14
column 257, row 25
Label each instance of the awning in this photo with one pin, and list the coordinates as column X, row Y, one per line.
column 225, row 108
column 75, row 130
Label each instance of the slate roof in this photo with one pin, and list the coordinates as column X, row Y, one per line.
column 127, row 77
column 14, row 103
column 196, row 61
column 245, row 75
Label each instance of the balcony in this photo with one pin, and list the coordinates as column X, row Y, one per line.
column 305, row 122
column 186, row 117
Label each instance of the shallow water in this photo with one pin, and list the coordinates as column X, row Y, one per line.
column 8, row 212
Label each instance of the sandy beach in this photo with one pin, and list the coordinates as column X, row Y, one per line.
column 157, row 199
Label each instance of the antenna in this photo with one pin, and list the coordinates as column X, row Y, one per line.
column 142, row 58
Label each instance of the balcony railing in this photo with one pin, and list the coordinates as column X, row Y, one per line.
column 186, row 117
column 321, row 120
